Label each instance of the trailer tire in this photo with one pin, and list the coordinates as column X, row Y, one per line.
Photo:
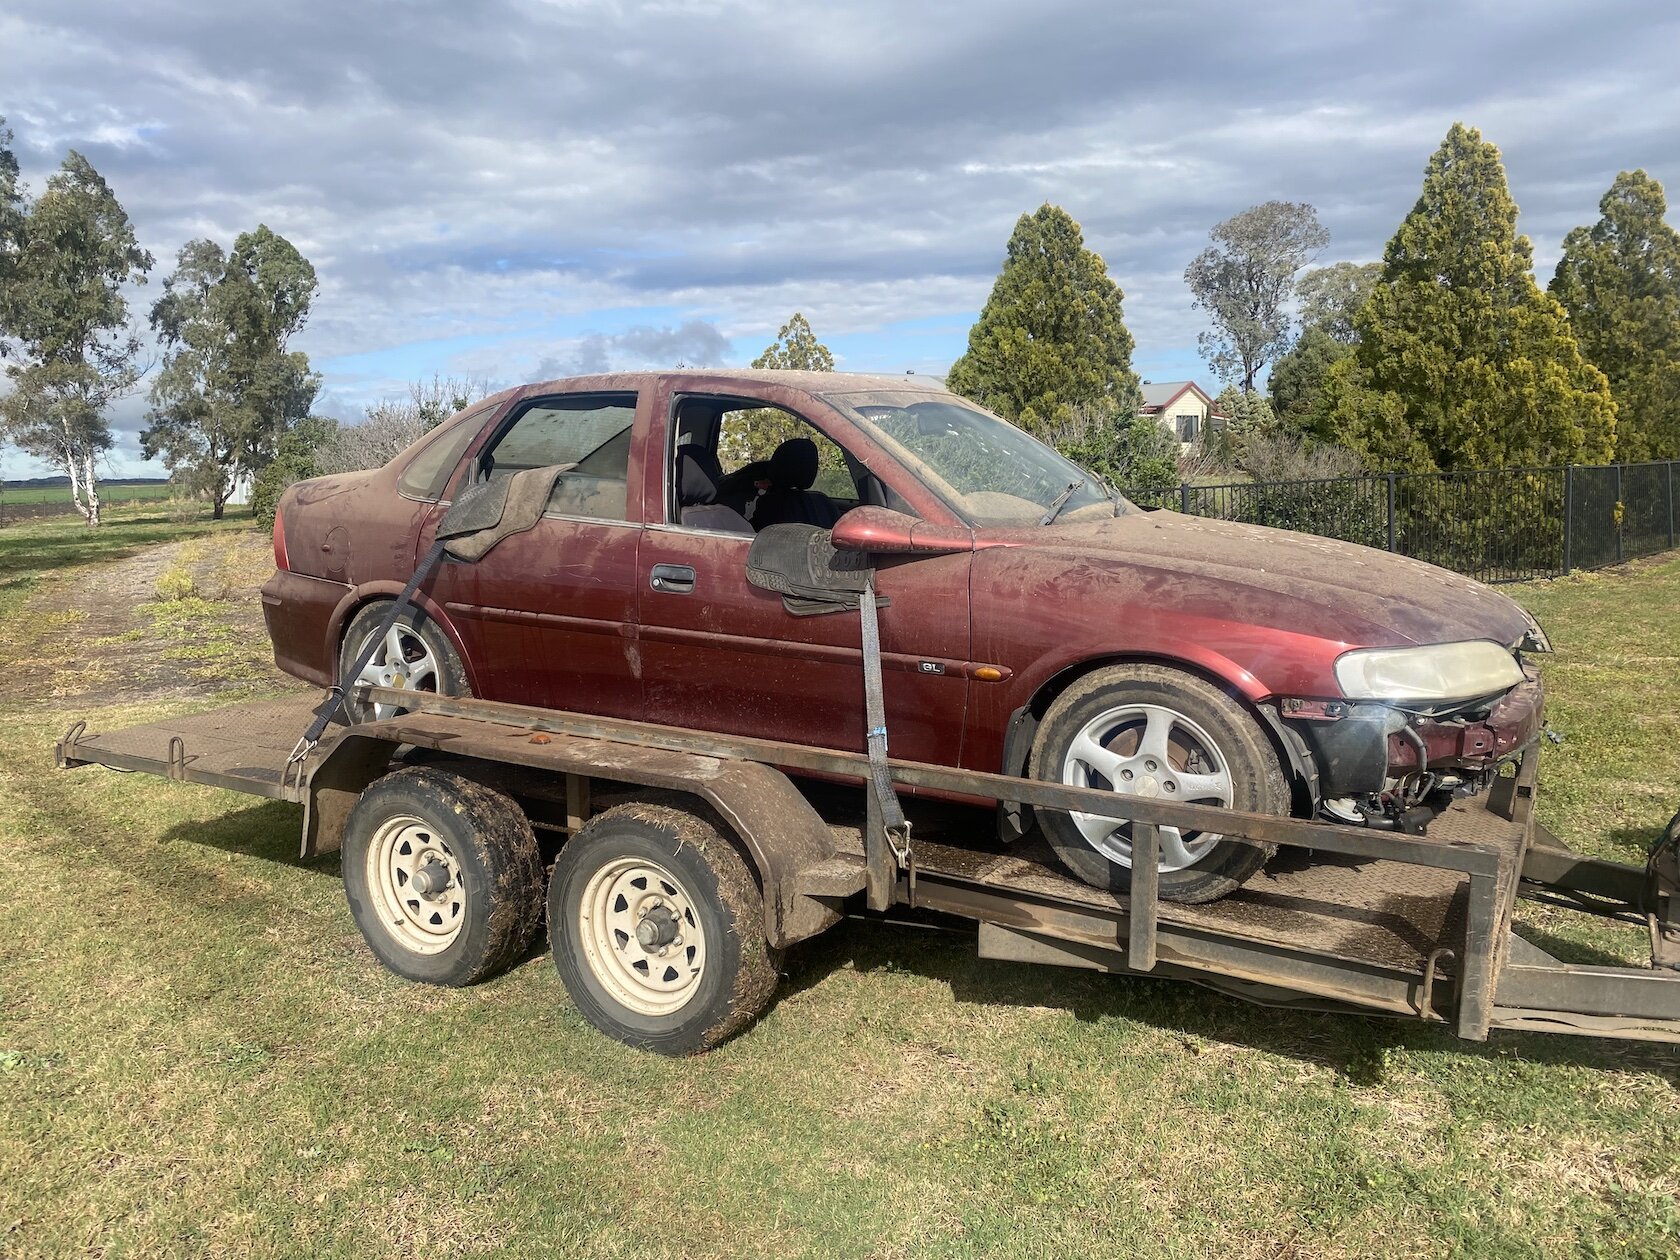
column 428, row 660
column 657, row 929
column 443, row 876
column 1131, row 703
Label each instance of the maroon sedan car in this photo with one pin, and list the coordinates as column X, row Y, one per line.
column 1036, row 623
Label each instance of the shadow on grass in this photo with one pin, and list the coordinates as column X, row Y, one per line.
column 1352, row 1045
column 269, row 831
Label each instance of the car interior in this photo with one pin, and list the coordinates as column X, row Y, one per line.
column 739, row 466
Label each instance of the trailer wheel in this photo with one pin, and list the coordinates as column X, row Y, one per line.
column 657, row 930
column 1153, row 731
column 416, row 655
column 443, row 876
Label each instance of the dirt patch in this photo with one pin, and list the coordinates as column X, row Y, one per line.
column 183, row 619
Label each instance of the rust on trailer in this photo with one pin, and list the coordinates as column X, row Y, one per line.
column 1343, row 918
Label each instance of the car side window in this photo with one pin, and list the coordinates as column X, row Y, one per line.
column 590, row 431
column 427, row 474
column 750, row 435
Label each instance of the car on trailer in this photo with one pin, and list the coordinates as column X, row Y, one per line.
column 1035, row 624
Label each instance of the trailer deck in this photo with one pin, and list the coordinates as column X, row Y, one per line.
column 1344, row 918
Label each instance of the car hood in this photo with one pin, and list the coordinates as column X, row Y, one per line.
column 1366, row 594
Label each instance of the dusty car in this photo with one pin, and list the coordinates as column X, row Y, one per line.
column 1033, row 621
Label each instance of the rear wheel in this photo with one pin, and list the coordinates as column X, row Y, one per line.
column 1152, row 731
column 414, row 655
column 658, row 929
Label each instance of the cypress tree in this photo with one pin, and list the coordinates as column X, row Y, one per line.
column 1051, row 340
column 1463, row 362
column 1620, row 282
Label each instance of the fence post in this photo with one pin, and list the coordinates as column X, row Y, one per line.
column 1391, row 511
column 1568, row 518
column 1621, row 513
column 1184, row 497
column 1669, row 467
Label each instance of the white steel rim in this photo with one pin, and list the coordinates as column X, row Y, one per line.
column 1152, row 751
column 416, row 885
column 404, row 660
column 641, row 936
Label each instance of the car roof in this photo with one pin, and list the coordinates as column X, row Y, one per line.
column 722, row 378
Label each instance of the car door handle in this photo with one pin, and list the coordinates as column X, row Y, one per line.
column 673, row 579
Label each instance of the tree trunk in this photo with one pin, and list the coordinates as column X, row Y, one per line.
column 216, row 508
column 75, row 483
column 90, row 480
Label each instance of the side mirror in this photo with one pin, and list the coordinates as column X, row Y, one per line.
column 883, row 531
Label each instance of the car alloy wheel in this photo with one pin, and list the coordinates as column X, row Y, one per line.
column 1153, row 751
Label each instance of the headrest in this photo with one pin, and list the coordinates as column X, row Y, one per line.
column 698, row 474
column 794, row 464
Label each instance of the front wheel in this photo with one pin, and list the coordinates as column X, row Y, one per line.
column 658, row 929
column 1152, row 731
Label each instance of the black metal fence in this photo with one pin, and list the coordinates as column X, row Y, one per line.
column 1498, row 525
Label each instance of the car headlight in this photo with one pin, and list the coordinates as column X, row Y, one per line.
column 1439, row 671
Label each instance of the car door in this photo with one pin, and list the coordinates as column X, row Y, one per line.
column 548, row 616
column 720, row 654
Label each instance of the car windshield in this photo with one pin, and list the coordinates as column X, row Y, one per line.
column 990, row 472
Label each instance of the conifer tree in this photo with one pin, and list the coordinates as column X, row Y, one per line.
column 1620, row 282
column 1462, row 361
column 1051, row 339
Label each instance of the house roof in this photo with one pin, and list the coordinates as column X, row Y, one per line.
column 1160, row 395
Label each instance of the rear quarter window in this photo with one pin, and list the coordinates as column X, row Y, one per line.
column 427, row 473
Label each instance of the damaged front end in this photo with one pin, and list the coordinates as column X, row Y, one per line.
column 1398, row 762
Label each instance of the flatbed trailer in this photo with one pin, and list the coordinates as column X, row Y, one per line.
column 1342, row 918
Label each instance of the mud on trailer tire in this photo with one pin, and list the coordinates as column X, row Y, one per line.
column 443, row 876
column 657, row 929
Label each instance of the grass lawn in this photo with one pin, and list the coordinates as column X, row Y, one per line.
column 109, row 492
column 198, row 1056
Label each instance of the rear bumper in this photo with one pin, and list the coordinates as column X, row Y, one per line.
column 298, row 611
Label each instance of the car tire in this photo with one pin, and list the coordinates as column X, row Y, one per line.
column 443, row 876
column 1111, row 722
column 429, row 659
column 657, row 928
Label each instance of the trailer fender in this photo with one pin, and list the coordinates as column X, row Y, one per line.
column 775, row 826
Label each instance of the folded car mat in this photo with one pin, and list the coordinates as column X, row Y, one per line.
column 801, row 564
column 493, row 510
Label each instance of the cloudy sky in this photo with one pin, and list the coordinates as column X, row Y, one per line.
column 519, row 189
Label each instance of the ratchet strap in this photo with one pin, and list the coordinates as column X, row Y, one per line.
column 884, row 820
column 328, row 708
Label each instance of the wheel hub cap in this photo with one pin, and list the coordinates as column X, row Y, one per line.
column 431, row 879
column 657, row 929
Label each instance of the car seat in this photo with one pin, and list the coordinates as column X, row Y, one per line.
column 698, row 474
column 790, row 499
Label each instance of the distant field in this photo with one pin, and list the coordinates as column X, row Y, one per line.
column 109, row 492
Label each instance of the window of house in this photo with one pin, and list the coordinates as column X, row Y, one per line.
column 591, row 431
column 1187, row 425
